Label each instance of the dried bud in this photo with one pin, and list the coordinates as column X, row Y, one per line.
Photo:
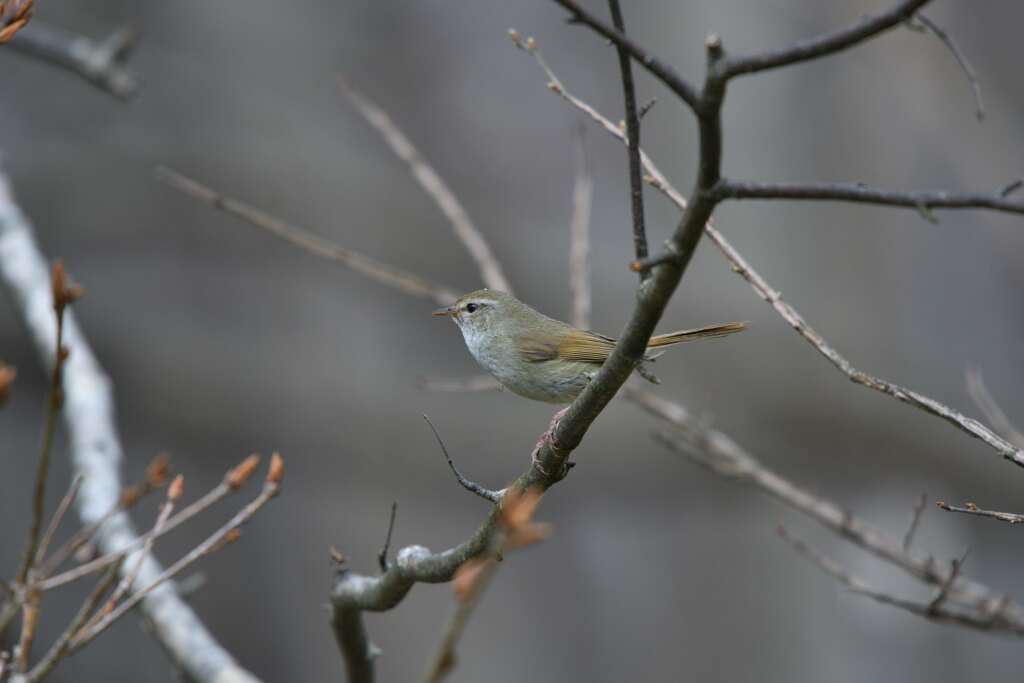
column 275, row 473
column 531, row 44
column 176, row 488
column 514, row 35
column 7, row 375
column 237, row 476
column 230, row 537
column 336, row 556
column 157, row 471
column 63, row 293
column 518, row 507
column 971, row 506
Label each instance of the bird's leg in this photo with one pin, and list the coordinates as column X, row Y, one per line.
column 548, row 437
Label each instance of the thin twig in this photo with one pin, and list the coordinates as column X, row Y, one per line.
column 101, row 63
column 636, row 183
column 961, row 59
column 579, row 230
column 216, row 494
column 364, row 265
column 433, row 185
column 942, row 594
column 991, row 409
column 915, row 521
column 472, row 487
column 382, row 556
column 61, row 646
column 473, row 384
column 57, row 518
column 972, row 509
column 215, row 541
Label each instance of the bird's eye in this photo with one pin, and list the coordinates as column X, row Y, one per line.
column 471, row 308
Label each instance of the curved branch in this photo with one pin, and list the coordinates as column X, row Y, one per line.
column 96, row 450
column 666, row 74
column 862, row 194
column 101, row 63
column 828, row 44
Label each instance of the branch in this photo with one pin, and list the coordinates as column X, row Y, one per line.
column 828, row 44
column 364, row 265
column 723, row 456
column 666, row 74
column 861, row 194
column 972, row 509
column 95, row 448
column 579, row 231
column 636, row 184
column 972, row 78
column 472, row 487
column 739, row 265
column 431, row 182
column 991, row 410
column 103, row 63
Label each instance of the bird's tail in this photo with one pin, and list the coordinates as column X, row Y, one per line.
column 699, row 333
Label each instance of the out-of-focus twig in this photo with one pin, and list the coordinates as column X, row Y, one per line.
column 102, row 63
column 433, row 185
column 927, row 25
column 14, row 15
column 915, row 521
column 991, row 409
column 364, row 265
column 972, row 509
column 579, row 232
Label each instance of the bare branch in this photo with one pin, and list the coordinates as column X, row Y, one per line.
column 364, row 265
column 94, row 445
column 431, row 182
column 579, row 251
column 472, row 487
column 723, row 456
column 861, row 194
column 217, row 540
column 972, row 78
column 828, row 44
column 972, row 509
column 666, row 74
column 915, row 521
column 102, row 63
column 636, row 183
column 741, row 267
column 982, row 621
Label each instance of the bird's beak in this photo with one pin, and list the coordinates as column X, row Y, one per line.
column 444, row 312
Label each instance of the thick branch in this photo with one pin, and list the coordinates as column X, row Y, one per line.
column 100, row 63
column 95, row 448
column 828, row 44
column 861, row 194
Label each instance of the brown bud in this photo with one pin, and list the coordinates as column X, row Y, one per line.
column 7, row 375
column 176, row 488
column 237, row 476
column 466, row 578
column 514, row 35
column 275, row 473
column 229, row 537
column 157, row 470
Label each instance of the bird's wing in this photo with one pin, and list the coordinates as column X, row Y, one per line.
column 585, row 346
column 535, row 349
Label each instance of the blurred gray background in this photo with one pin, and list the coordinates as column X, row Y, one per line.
column 222, row 340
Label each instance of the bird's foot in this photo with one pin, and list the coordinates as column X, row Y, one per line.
column 547, row 439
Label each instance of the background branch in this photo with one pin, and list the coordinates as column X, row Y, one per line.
column 579, row 232
column 95, row 448
column 101, row 63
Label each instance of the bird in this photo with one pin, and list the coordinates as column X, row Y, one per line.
column 541, row 358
